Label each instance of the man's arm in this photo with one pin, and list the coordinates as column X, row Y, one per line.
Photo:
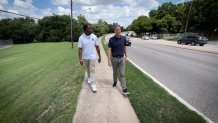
column 80, row 56
column 99, row 53
column 109, row 56
column 125, row 52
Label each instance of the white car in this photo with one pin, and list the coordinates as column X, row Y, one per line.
column 154, row 37
column 145, row 37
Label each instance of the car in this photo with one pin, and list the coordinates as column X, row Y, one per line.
column 193, row 40
column 127, row 34
column 154, row 37
column 204, row 38
column 128, row 42
column 132, row 35
column 145, row 37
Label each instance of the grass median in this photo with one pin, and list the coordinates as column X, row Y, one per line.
column 151, row 102
column 40, row 82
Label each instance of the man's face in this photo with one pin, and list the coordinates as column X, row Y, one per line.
column 88, row 30
column 117, row 30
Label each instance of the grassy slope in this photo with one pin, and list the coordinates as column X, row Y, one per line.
column 39, row 82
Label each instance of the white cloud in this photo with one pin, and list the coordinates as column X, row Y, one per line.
column 25, row 7
column 59, row 11
column 110, row 13
column 97, row 2
column 47, row 12
column 22, row 3
column 1, row 7
column 14, row 11
column 4, row 2
column 121, row 11
column 84, row 2
column 61, row 2
column 147, row 4
column 63, row 11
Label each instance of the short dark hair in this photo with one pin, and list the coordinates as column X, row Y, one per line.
column 116, row 25
column 86, row 26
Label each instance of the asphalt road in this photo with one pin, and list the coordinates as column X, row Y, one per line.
column 192, row 75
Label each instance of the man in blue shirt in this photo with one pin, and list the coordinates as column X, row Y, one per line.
column 117, row 48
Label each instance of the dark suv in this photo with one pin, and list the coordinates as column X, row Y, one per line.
column 193, row 40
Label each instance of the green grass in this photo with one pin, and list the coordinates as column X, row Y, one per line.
column 172, row 38
column 152, row 103
column 39, row 82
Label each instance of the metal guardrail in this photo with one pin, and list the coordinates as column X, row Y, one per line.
column 6, row 43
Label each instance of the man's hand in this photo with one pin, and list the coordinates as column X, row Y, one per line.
column 109, row 62
column 126, row 59
column 99, row 60
column 81, row 62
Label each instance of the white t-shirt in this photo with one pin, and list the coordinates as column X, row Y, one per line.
column 88, row 43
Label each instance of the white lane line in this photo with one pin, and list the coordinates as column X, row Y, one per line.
column 172, row 93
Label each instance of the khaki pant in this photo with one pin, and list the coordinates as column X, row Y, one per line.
column 119, row 63
column 90, row 68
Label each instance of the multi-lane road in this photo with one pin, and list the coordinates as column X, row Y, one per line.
column 191, row 74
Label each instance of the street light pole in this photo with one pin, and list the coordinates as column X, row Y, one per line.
column 188, row 16
column 71, row 15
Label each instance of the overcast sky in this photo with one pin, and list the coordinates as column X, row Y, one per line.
column 120, row 11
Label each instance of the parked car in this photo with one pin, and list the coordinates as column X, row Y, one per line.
column 126, row 34
column 145, row 37
column 132, row 35
column 154, row 37
column 204, row 38
column 128, row 41
column 193, row 40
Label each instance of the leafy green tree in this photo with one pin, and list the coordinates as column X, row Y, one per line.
column 101, row 27
column 21, row 30
column 141, row 25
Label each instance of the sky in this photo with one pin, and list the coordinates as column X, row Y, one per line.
column 111, row 11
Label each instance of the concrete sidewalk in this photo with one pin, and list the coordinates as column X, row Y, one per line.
column 108, row 105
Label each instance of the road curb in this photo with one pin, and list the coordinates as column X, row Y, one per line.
column 172, row 93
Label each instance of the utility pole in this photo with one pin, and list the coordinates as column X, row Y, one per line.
column 71, row 16
column 188, row 16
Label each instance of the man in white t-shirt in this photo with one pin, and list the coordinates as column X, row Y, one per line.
column 88, row 44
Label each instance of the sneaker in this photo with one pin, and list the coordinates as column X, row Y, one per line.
column 89, row 81
column 125, row 92
column 115, row 84
column 93, row 86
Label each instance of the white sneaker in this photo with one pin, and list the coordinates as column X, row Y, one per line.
column 125, row 92
column 93, row 86
column 89, row 81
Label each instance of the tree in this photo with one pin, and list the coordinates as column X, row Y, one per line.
column 21, row 30
column 51, row 28
column 100, row 28
column 141, row 25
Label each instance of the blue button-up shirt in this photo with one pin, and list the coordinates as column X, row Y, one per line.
column 117, row 45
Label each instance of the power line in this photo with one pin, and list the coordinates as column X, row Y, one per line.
column 18, row 14
column 28, row 16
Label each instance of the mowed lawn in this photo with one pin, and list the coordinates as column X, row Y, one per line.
column 39, row 82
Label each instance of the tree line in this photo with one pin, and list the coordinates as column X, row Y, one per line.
column 172, row 18
column 55, row 28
